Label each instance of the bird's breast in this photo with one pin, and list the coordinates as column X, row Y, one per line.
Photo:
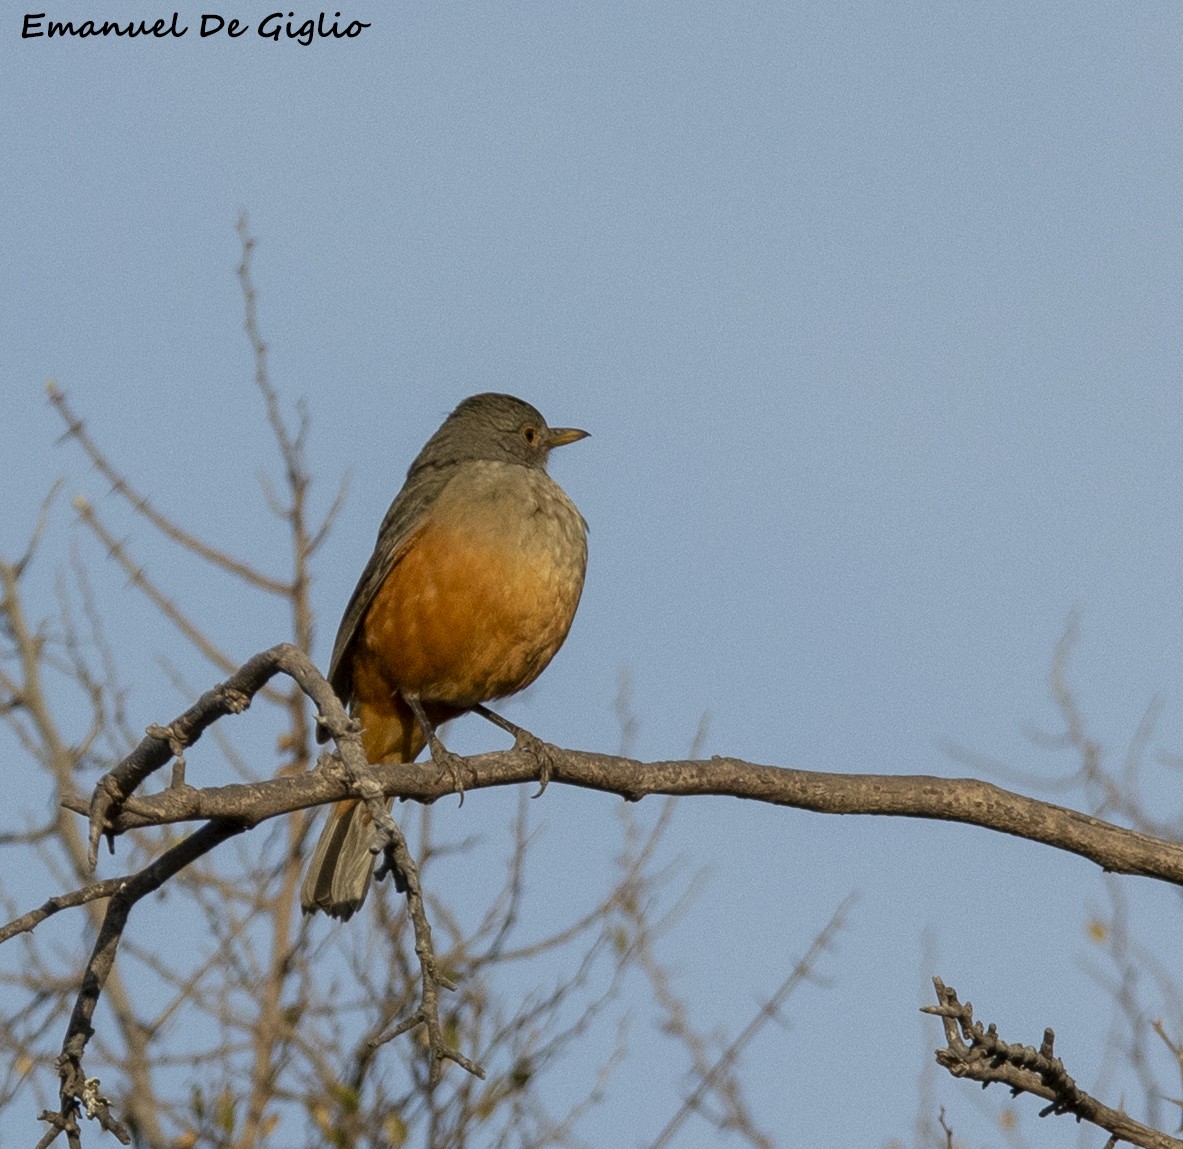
column 484, row 593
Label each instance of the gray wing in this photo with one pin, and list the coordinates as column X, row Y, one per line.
column 398, row 527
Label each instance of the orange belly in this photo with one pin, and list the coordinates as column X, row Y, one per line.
column 460, row 624
column 477, row 604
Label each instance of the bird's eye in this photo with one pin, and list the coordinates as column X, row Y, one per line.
column 530, row 434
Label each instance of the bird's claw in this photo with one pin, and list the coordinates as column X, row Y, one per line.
column 450, row 764
column 538, row 750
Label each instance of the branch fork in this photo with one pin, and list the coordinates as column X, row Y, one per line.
column 80, row 1094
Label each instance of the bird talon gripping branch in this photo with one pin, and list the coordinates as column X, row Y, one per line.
column 541, row 753
column 470, row 592
column 450, row 764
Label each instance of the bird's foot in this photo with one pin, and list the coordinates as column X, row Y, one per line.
column 443, row 758
column 526, row 742
column 448, row 763
column 531, row 744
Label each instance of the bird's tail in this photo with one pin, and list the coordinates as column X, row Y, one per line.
column 338, row 875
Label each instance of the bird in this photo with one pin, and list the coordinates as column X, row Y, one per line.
column 471, row 590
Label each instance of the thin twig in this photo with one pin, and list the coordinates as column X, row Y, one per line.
column 76, row 430
column 801, row 971
column 138, row 578
column 30, row 921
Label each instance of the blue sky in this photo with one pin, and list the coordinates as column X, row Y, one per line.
column 873, row 315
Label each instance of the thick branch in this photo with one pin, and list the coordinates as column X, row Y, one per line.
column 967, row 800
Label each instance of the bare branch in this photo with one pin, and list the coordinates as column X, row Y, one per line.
column 48, row 746
column 76, row 430
column 234, row 696
column 34, row 918
column 138, row 577
column 330, row 518
column 1114, row 848
column 290, row 446
column 230, row 697
column 78, row 1093
column 38, row 530
column 276, row 1040
column 113, row 809
column 800, row 972
column 977, row 1052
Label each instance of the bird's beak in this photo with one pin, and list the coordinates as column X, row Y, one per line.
column 561, row 436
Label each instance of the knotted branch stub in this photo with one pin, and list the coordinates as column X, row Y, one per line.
column 976, row 1052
